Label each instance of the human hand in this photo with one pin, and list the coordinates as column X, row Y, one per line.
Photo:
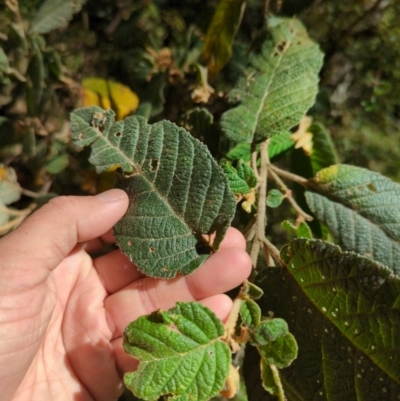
column 62, row 313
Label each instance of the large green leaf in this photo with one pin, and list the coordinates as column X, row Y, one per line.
column 221, row 32
column 344, row 312
column 279, row 86
column 54, row 14
column 177, row 191
column 361, row 209
column 181, row 354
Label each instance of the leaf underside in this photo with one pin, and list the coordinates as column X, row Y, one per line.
column 180, row 352
column 344, row 312
column 361, row 209
column 177, row 191
column 279, row 86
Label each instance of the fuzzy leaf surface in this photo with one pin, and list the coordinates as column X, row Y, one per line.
column 361, row 209
column 54, row 14
column 279, row 86
column 241, row 177
column 181, row 354
column 177, row 191
column 344, row 311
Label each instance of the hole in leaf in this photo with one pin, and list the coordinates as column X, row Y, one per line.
column 117, row 134
column 154, row 164
column 152, row 249
column 203, row 247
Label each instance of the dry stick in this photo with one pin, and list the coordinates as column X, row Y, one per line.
column 289, row 176
column 270, row 250
column 262, row 195
column 289, row 196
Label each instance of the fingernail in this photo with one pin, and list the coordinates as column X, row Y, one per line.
column 113, row 195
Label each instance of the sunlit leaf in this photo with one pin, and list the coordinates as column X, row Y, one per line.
column 343, row 310
column 301, row 229
column 109, row 94
column 181, row 354
column 279, row 86
column 241, row 177
column 280, row 352
column 177, row 191
column 278, row 144
column 361, row 209
column 55, row 14
column 250, row 313
column 221, row 32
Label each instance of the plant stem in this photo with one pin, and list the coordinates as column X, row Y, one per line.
column 288, row 194
column 289, row 176
column 5, row 228
column 269, row 250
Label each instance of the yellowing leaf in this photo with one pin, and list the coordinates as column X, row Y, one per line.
column 109, row 95
column 302, row 137
column 221, row 32
column 125, row 101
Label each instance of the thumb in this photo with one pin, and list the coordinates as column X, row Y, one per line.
column 34, row 249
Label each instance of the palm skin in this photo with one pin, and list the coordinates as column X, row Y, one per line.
column 62, row 313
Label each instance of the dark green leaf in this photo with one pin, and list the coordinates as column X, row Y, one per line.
column 343, row 310
column 280, row 144
column 177, row 191
column 181, row 354
column 221, row 32
column 323, row 151
column 35, row 82
column 274, row 198
column 279, row 86
column 361, row 209
column 198, row 122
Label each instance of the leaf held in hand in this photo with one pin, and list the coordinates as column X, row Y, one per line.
column 181, row 354
column 177, row 191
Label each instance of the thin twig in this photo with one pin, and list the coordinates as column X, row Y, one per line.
column 253, row 161
column 289, row 176
column 288, row 195
column 273, row 251
column 31, row 194
column 14, row 223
